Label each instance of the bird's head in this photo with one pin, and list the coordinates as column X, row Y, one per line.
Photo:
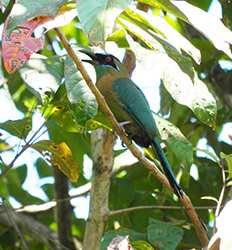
column 102, row 60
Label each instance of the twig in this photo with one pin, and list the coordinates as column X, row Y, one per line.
column 80, row 191
column 200, row 230
column 8, row 10
column 132, row 209
column 221, row 196
column 24, row 148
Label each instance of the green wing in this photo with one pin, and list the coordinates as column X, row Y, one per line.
column 135, row 104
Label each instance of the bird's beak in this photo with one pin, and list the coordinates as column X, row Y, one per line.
column 91, row 55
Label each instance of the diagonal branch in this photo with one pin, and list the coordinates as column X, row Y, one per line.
column 200, row 230
column 28, row 225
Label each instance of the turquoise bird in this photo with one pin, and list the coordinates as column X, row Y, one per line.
column 129, row 106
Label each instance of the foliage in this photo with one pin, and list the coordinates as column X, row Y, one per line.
column 180, row 41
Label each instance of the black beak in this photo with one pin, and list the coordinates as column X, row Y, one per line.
column 90, row 54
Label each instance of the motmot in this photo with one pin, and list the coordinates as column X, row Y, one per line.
column 130, row 107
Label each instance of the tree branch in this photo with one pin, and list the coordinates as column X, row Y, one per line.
column 15, row 226
column 28, row 225
column 102, row 142
column 63, row 210
column 132, row 209
column 200, row 230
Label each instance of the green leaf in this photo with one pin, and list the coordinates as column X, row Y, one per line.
column 151, row 23
column 4, row 146
column 191, row 92
column 59, row 109
column 209, row 25
column 176, row 141
column 83, row 102
column 119, row 36
column 141, row 245
column 163, row 235
column 43, row 169
column 19, row 128
column 60, row 156
column 154, row 41
column 97, row 17
column 14, row 181
column 165, row 5
column 43, row 75
column 228, row 159
column 27, row 9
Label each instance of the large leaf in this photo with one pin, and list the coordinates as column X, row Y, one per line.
column 19, row 128
column 28, row 9
column 60, row 156
column 83, row 102
column 58, row 108
column 177, row 74
column 209, row 25
column 43, row 75
column 151, row 23
column 228, row 159
column 191, row 92
column 176, row 141
column 163, row 235
column 97, row 17
column 154, row 41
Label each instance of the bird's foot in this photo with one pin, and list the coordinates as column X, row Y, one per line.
column 122, row 124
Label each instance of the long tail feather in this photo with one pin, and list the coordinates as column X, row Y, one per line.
column 167, row 168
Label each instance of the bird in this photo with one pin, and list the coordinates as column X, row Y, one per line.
column 129, row 106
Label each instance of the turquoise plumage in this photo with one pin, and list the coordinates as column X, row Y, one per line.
column 130, row 107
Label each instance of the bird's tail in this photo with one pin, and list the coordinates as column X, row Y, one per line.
column 167, row 168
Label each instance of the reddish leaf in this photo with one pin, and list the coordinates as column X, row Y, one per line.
column 20, row 45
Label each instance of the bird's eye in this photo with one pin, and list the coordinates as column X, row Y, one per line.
column 108, row 59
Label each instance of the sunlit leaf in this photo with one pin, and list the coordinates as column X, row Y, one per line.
column 151, row 23
column 59, row 109
column 191, row 92
column 43, row 75
column 97, row 17
column 163, row 235
column 4, row 146
column 119, row 36
column 19, row 128
column 60, row 156
column 209, row 25
column 25, row 9
column 228, row 159
column 142, row 245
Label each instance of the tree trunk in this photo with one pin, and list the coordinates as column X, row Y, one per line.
column 102, row 142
